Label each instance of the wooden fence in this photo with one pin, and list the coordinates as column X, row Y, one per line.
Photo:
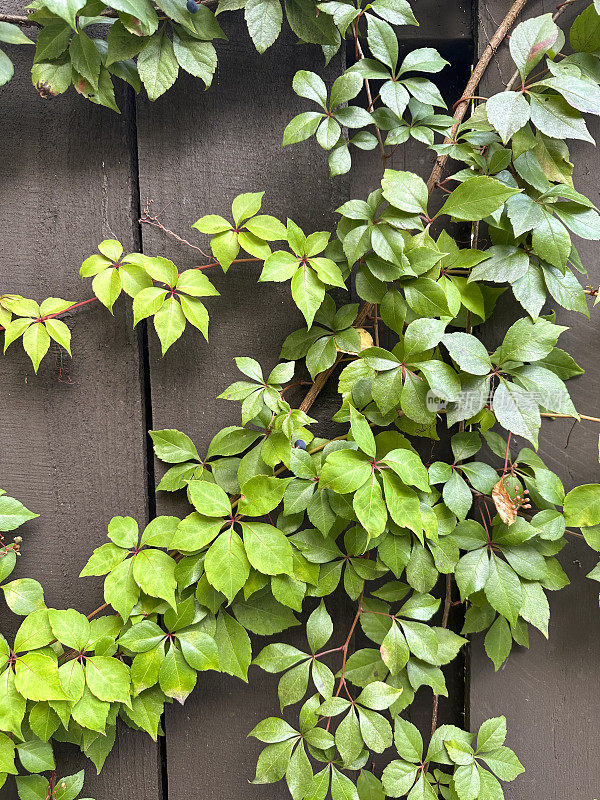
column 74, row 445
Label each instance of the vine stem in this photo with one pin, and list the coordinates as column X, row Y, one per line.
column 153, row 219
column 445, row 616
column 344, row 650
column 364, row 313
column 360, row 55
column 20, row 19
column 476, row 76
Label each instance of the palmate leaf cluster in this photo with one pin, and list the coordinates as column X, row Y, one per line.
column 88, row 43
column 281, row 519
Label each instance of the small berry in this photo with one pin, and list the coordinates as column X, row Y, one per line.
column 192, row 6
column 300, row 444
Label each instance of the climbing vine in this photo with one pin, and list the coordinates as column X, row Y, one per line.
column 281, row 518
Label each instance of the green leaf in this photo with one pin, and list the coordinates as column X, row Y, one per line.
column 157, row 65
column 503, row 589
column 35, row 755
column 261, row 494
column 36, row 342
column 498, row 642
column 582, row 506
column 172, row 446
column 308, row 292
column 409, row 468
column 504, row 763
column 382, row 41
column 7, row 69
column 308, row 24
column 515, row 411
column 492, row 734
column 348, row 738
column 476, row 198
column 70, row 628
column 36, row 677
column 369, row 506
column 504, row 264
column 86, row 59
column 272, row 730
column 405, row 191
column 301, row 127
column 226, row 564
column 66, row 9
column 267, row 548
column 50, row 78
column 299, row 774
column 154, row 573
column 345, row 471
column 551, row 241
column 310, row 85
column 293, row 685
column 209, row 499
column 273, row 762
column 108, row 679
column 264, row 18
column 472, row 572
column 530, row 41
column 13, row 514
column 361, row 432
column 467, row 782
column 142, row 637
column 319, row 628
column 23, row 596
column 44, row 721
column 169, row 323
column 199, row 649
column 123, row 531
column 408, row 740
column 197, row 58
column 585, row 31
column 12, row 34
column 120, row 589
column 176, row 678
column 553, row 116
column 398, row 778
column 235, row 651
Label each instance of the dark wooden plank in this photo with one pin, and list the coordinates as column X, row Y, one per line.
column 451, row 20
column 548, row 693
column 73, row 438
column 197, row 151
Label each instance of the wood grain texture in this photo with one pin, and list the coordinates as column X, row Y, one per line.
column 549, row 692
column 73, row 437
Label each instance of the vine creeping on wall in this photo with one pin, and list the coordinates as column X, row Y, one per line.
column 281, row 518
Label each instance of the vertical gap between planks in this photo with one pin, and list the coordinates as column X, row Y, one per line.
column 145, row 385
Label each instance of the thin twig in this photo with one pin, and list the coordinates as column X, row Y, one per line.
column 445, row 615
column 359, row 56
column 153, row 219
column 586, row 417
column 19, row 19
